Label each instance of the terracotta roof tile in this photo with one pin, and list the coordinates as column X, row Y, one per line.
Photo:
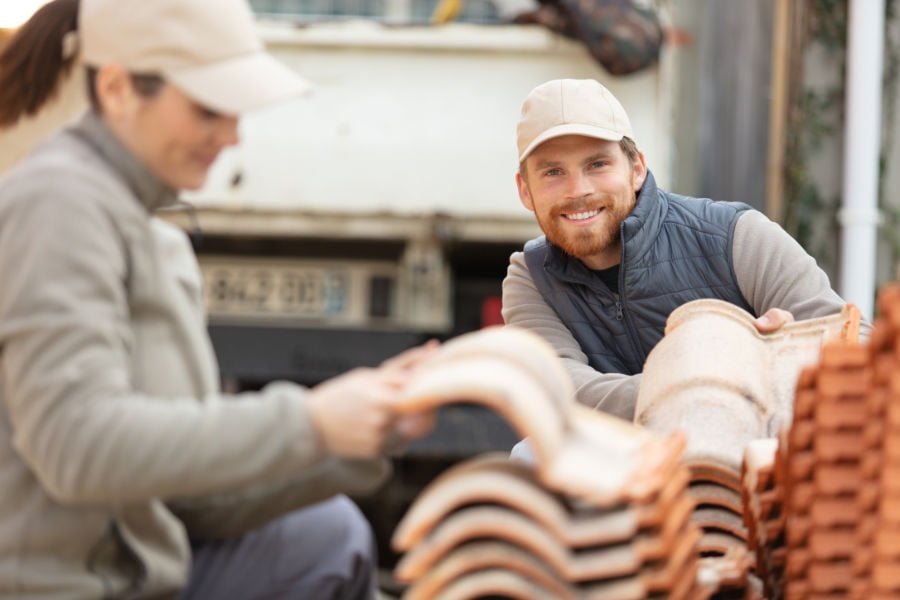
column 839, row 475
column 493, row 582
column 481, row 555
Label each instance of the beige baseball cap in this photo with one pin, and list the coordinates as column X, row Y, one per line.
column 570, row 107
column 209, row 49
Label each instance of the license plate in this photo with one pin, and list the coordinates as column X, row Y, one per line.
column 286, row 288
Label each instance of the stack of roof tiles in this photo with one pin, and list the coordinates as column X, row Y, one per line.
column 717, row 378
column 602, row 513
column 763, row 514
column 835, row 529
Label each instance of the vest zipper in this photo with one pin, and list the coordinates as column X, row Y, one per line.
column 636, row 365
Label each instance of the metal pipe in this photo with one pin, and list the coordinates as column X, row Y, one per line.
column 862, row 128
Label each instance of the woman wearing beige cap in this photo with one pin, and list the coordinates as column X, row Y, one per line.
column 124, row 471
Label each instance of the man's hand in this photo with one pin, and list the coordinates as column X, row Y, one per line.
column 773, row 320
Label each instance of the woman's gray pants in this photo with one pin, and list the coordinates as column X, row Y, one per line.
column 322, row 552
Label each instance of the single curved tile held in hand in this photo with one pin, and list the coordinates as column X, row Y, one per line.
column 500, row 385
column 489, row 554
column 519, row 347
column 578, row 452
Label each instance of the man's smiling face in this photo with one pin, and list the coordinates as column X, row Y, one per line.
column 581, row 189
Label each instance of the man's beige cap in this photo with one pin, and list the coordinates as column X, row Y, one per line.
column 209, row 49
column 570, row 107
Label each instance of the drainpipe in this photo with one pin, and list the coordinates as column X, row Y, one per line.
column 859, row 214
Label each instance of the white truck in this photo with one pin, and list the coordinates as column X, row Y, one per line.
column 381, row 210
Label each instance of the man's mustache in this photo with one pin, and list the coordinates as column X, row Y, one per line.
column 583, row 205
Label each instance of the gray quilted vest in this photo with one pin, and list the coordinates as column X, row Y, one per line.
column 674, row 249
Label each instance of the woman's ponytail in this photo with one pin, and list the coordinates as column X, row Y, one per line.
column 35, row 61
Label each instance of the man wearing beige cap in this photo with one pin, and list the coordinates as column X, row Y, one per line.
column 619, row 254
column 125, row 471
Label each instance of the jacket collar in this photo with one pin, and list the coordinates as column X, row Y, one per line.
column 150, row 191
column 641, row 228
column 638, row 231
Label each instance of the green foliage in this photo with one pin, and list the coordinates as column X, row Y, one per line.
column 890, row 227
column 815, row 117
column 827, row 25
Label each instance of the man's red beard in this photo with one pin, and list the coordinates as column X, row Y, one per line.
column 589, row 240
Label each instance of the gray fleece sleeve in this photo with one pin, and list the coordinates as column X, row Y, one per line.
column 774, row 271
column 523, row 306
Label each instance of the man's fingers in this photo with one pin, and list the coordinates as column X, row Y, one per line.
column 773, row 320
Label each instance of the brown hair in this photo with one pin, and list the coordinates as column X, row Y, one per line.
column 32, row 65
column 629, row 148
column 31, row 62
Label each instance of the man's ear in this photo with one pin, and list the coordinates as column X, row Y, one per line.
column 115, row 92
column 524, row 192
column 639, row 172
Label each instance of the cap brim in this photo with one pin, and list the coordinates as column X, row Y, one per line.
column 240, row 84
column 571, row 129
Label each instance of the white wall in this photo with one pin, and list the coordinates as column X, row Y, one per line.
column 412, row 120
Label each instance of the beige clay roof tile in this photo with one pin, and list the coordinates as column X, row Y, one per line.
column 516, row 346
column 738, row 388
